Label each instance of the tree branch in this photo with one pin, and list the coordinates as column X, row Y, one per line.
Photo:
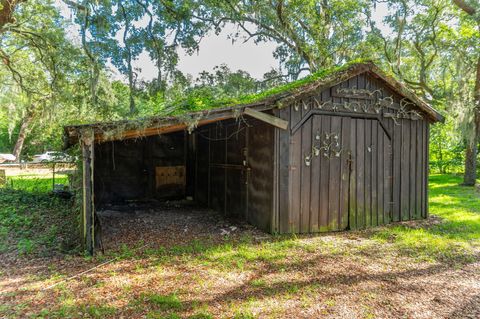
column 466, row 7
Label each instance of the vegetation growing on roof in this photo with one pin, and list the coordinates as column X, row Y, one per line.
column 204, row 100
column 198, row 101
column 196, row 106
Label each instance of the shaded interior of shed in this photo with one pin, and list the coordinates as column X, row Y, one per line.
column 218, row 165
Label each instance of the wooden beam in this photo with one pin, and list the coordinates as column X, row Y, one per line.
column 88, row 225
column 267, row 118
column 151, row 131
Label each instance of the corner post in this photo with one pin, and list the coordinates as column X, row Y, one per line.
column 87, row 144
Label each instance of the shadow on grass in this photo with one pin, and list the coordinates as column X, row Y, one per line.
column 456, row 235
column 335, row 281
column 453, row 240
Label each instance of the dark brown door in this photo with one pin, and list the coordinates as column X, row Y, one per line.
column 340, row 174
column 371, row 174
column 320, row 174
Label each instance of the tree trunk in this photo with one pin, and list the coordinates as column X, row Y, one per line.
column 470, row 164
column 22, row 135
column 471, row 153
column 7, row 8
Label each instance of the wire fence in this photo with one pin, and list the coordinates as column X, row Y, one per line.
column 38, row 180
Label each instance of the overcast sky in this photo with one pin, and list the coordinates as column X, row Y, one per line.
column 256, row 59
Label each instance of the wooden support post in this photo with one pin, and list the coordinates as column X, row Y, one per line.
column 87, row 143
column 53, row 176
column 3, row 178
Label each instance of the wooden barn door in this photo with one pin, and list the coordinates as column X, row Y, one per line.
column 340, row 175
column 320, row 174
column 371, row 174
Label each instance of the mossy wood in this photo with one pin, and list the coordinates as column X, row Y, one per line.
column 348, row 150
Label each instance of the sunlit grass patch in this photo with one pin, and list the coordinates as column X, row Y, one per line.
column 455, row 238
column 35, row 183
column 162, row 302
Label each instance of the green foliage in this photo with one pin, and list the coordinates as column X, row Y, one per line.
column 214, row 96
column 49, row 80
column 34, row 183
column 36, row 223
column 446, row 148
column 432, row 45
column 311, row 35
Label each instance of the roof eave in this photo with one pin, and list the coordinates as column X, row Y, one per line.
column 401, row 89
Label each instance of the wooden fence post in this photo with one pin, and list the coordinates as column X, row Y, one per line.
column 3, row 178
column 87, row 143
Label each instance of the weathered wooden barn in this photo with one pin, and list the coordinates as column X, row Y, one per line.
column 336, row 151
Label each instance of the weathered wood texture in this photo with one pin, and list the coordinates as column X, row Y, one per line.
column 125, row 170
column 88, row 216
column 234, row 169
column 170, row 180
column 410, row 170
column 376, row 174
column 267, row 118
column 261, row 175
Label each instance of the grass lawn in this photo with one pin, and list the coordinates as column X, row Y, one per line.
column 424, row 269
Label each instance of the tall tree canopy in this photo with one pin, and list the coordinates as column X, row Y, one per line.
column 431, row 45
column 311, row 35
column 119, row 31
column 39, row 63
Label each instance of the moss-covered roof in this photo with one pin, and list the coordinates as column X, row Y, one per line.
column 275, row 91
column 221, row 109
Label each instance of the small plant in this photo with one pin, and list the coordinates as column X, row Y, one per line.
column 96, row 311
column 25, row 246
column 258, row 283
column 201, row 315
column 243, row 315
column 163, row 302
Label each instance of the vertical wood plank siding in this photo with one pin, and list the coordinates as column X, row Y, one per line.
column 410, row 174
column 88, row 225
column 380, row 176
column 234, row 170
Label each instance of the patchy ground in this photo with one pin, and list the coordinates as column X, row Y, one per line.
column 154, row 224
column 198, row 266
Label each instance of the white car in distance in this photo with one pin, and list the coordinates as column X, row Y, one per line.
column 52, row 156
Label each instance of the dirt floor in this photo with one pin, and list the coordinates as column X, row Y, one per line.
column 179, row 261
column 153, row 224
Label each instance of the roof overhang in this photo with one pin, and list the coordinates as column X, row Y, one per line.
column 126, row 129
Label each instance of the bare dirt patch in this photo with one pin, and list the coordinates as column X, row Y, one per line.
column 171, row 223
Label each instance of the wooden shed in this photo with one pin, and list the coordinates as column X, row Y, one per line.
column 340, row 150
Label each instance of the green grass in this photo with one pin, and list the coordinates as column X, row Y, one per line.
column 35, row 183
column 280, row 268
column 453, row 237
column 163, row 302
column 456, row 238
column 78, row 311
